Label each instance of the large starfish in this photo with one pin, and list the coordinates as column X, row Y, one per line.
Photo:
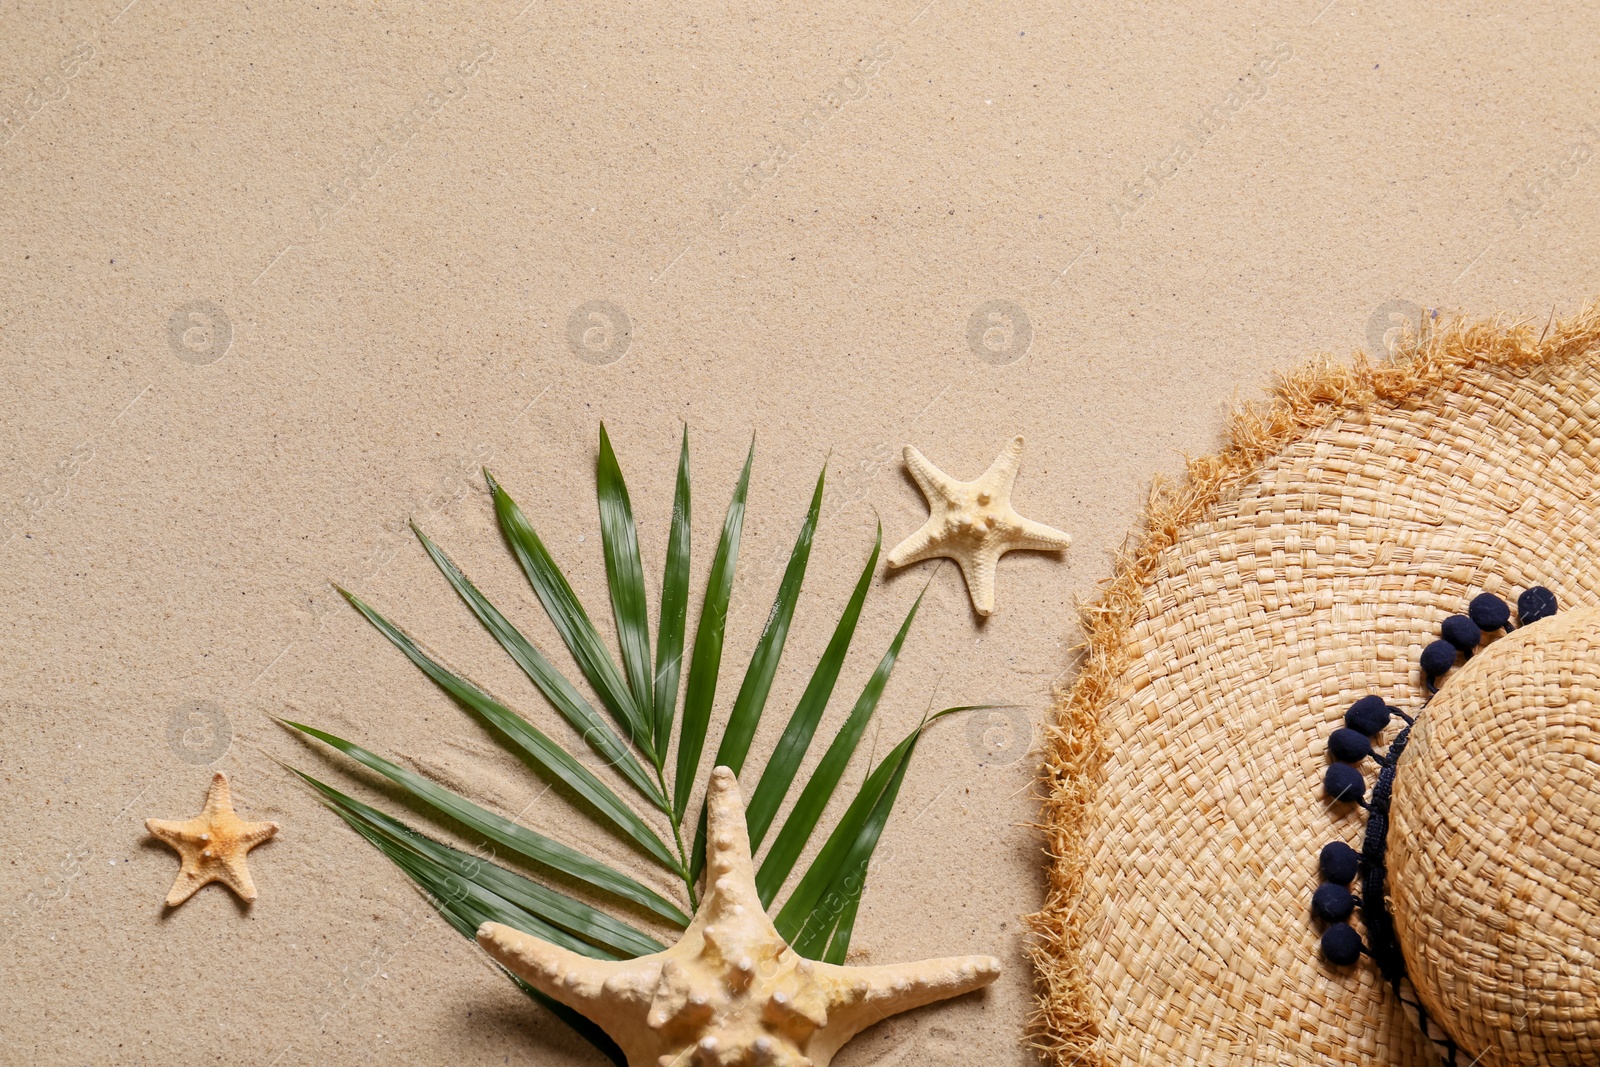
column 973, row 523
column 731, row 991
column 212, row 845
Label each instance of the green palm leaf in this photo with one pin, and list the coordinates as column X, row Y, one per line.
column 674, row 610
column 526, row 843
column 833, row 921
column 550, row 681
column 449, row 887
column 796, row 740
column 814, row 798
column 570, row 620
column 624, row 574
column 802, row 906
column 820, row 901
column 548, row 756
column 466, row 907
column 702, row 685
column 839, row 943
column 606, row 937
column 752, row 698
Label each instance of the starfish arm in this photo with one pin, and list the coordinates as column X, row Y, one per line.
column 577, row 981
column 185, row 885
column 868, row 994
column 252, row 834
column 731, row 921
column 219, row 798
column 1002, row 473
column 919, row 546
column 1036, row 535
column 978, row 568
column 930, row 479
column 236, row 876
column 730, row 876
column 177, row 835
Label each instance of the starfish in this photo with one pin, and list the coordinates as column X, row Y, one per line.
column 212, row 845
column 973, row 523
column 731, row 991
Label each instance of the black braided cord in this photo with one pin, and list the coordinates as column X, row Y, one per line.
column 1382, row 945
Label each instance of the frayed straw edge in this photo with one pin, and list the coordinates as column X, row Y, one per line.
column 1065, row 1027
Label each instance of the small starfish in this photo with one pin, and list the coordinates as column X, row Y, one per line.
column 731, row 991
column 973, row 523
column 212, row 845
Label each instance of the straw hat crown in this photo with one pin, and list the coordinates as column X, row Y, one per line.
column 1494, row 848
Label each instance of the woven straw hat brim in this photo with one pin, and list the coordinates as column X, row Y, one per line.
column 1305, row 565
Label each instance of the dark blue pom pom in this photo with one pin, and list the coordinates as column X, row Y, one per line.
column 1369, row 715
column 1341, row 945
column 1489, row 612
column 1339, row 862
column 1332, row 903
column 1535, row 604
column 1344, row 782
column 1461, row 632
column 1349, row 746
column 1437, row 659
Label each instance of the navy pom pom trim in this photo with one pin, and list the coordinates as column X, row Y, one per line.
column 1333, row 903
column 1369, row 715
column 1341, row 945
column 1462, row 632
column 1535, row 604
column 1345, row 784
column 1489, row 612
column 1437, row 659
column 1338, row 863
column 1349, row 746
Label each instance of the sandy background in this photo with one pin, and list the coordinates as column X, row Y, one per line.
column 274, row 279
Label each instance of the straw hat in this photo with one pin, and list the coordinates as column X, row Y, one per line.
column 1196, row 912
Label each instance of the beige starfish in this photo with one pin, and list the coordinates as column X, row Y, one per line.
column 973, row 523
column 730, row 992
column 212, row 845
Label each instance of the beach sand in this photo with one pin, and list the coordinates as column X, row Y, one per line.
column 274, row 281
